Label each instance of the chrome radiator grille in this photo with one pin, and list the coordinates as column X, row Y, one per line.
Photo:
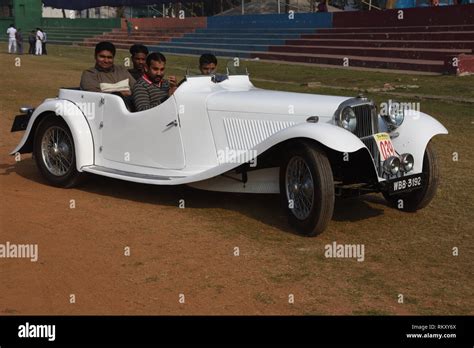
column 366, row 120
column 367, row 125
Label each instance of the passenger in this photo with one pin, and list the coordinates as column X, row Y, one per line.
column 105, row 76
column 138, row 53
column 152, row 88
column 207, row 64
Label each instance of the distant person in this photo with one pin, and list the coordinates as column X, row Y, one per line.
column 11, row 32
column 39, row 42
column 152, row 88
column 207, row 64
column 129, row 26
column 43, row 42
column 138, row 56
column 322, row 6
column 32, row 42
column 105, row 76
column 19, row 41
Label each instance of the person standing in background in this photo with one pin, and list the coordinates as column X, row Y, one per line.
column 43, row 42
column 39, row 43
column 19, row 41
column 129, row 27
column 11, row 32
column 32, row 42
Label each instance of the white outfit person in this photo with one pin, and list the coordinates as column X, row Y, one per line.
column 39, row 42
column 11, row 40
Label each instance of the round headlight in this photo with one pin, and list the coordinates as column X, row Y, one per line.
column 396, row 114
column 406, row 161
column 347, row 119
column 392, row 165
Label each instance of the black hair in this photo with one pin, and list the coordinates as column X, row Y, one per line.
column 137, row 48
column 207, row 58
column 105, row 46
column 156, row 56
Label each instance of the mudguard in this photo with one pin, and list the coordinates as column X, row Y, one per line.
column 414, row 135
column 77, row 123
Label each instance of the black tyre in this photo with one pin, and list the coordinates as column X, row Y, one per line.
column 307, row 188
column 418, row 199
column 54, row 152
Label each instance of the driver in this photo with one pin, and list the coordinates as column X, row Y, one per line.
column 207, row 64
column 152, row 88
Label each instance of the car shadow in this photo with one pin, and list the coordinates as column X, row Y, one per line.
column 265, row 208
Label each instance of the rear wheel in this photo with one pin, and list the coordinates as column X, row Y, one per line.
column 307, row 188
column 54, row 152
column 418, row 199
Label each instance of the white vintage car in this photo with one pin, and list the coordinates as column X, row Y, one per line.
column 227, row 135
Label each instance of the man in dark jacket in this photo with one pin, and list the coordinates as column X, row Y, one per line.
column 32, row 42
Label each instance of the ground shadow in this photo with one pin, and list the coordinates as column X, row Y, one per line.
column 262, row 207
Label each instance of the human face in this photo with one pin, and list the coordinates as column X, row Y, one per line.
column 104, row 59
column 139, row 61
column 156, row 71
column 207, row 69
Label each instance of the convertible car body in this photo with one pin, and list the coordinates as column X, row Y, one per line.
column 231, row 136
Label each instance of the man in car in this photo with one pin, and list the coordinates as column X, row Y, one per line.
column 207, row 64
column 138, row 55
column 152, row 88
column 105, row 76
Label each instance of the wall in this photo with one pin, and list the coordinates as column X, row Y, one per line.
column 27, row 14
column 155, row 23
column 4, row 24
column 442, row 15
column 81, row 23
column 300, row 20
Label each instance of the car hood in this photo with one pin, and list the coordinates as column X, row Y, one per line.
column 258, row 100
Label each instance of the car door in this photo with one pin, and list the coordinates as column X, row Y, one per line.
column 149, row 138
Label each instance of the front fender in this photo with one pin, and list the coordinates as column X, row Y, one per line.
column 331, row 136
column 415, row 133
column 77, row 123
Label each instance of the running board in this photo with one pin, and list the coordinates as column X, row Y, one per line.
column 130, row 176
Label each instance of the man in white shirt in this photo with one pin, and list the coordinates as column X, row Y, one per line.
column 11, row 31
column 39, row 42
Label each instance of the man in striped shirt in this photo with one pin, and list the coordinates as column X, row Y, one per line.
column 152, row 88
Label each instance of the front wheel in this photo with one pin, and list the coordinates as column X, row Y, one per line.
column 54, row 152
column 307, row 188
column 415, row 200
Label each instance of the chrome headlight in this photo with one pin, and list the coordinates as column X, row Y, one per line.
column 394, row 114
column 407, row 161
column 392, row 165
column 347, row 119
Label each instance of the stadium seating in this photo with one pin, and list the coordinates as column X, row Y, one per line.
column 424, row 40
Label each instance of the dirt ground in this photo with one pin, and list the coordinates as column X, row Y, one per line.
column 190, row 251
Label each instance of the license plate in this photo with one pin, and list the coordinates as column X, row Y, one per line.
column 406, row 184
column 20, row 123
column 385, row 146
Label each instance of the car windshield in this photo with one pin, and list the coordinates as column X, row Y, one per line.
column 233, row 66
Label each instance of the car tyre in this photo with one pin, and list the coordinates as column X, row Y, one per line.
column 307, row 188
column 54, row 153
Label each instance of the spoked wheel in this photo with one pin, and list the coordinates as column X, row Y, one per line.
column 307, row 188
column 54, row 152
column 418, row 199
